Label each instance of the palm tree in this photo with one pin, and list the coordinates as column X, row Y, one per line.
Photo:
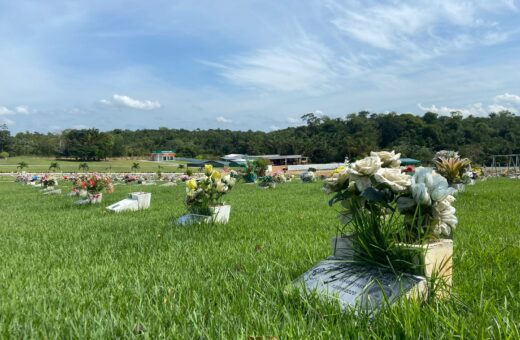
column 22, row 165
column 54, row 166
column 135, row 166
column 83, row 167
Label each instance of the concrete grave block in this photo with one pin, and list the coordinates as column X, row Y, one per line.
column 135, row 201
column 52, row 192
column 366, row 287
column 220, row 214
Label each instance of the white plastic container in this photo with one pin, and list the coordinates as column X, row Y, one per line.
column 95, row 198
column 143, row 199
column 220, row 213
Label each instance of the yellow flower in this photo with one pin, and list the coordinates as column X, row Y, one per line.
column 216, row 175
column 208, row 169
column 192, row 184
column 338, row 170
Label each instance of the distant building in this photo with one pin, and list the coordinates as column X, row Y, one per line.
column 273, row 159
column 200, row 163
column 162, row 155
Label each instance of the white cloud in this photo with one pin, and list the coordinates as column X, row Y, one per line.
column 508, row 98
column 4, row 111
column 125, row 101
column 497, row 108
column 306, row 66
column 476, row 109
column 222, row 119
column 22, row 109
column 274, row 128
column 511, row 103
column 293, row 120
column 418, row 30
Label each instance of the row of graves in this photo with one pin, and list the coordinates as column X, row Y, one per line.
column 397, row 223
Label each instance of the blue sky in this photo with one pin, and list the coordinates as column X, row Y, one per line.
column 251, row 64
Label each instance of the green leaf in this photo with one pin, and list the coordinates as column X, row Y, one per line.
column 373, row 195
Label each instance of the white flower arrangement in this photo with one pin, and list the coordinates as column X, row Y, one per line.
column 308, row 177
column 279, row 177
column 207, row 191
column 377, row 184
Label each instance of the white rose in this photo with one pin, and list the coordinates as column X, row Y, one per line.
column 389, row 158
column 394, row 178
column 336, row 182
column 442, row 229
column 444, row 214
column 420, row 194
column 362, row 182
column 366, row 166
column 221, row 187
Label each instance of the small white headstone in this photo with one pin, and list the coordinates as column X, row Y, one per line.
column 52, row 192
column 124, row 205
column 190, row 219
column 135, row 201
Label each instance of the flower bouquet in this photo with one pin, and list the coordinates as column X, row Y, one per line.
column 24, row 178
column 279, row 177
column 392, row 219
column 204, row 197
column 184, row 178
column 450, row 165
column 267, row 182
column 48, row 182
column 250, row 172
column 93, row 185
column 130, row 179
column 308, row 177
column 233, row 174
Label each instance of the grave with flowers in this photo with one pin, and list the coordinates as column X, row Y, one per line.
column 48, row 183
column 308, row 176
column 395, row 239
column 250, row 176
column 457, row 170
column 204, row 198
column 93, row 185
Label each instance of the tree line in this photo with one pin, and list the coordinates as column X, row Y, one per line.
column 321, row 138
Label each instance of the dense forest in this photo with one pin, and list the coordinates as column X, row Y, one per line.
column 321, row 138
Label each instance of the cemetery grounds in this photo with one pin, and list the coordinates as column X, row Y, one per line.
column 80, row 271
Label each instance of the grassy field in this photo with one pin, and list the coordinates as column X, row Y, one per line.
column 80, row 272
column 42, row 165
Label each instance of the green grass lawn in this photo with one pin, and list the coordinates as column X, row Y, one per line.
column 80, row 272
column 41, row 164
